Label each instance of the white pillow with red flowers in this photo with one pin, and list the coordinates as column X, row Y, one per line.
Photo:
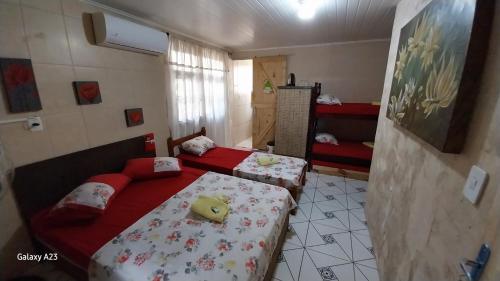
column 198, row 146
column 152, row 167
column 326, row 99
column 326, row 138
column 90, row 199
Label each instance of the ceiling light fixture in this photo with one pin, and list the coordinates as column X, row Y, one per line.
column 306, row 9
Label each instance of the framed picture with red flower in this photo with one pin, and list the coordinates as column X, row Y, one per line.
column 19, row 85
column 87, row 92
column 134, row 117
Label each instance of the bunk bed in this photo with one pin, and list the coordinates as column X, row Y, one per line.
column 351, row 155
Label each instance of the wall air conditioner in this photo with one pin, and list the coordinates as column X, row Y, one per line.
column 115, row 32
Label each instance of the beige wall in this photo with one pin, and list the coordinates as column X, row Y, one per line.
column 354, row 72
column 420, row 222
column 50, row 32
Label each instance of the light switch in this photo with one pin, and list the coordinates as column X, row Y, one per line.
column 475, row 184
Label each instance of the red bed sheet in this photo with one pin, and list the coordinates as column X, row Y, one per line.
column 220, row 159
column 79, row 242
column 344, row 149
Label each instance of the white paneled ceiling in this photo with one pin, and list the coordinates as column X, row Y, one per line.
column 254, row 24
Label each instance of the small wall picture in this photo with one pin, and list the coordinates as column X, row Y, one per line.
column 19, row 85
column 87, row 92
column 134, row 117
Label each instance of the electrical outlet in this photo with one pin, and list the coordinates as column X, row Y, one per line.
column 475, row 184
column 35, row 124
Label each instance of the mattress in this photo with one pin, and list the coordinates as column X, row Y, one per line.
column 220, row 159
column 346, row 149
column 79, row 242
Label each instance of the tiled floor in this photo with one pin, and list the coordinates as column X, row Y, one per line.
column 328, row 238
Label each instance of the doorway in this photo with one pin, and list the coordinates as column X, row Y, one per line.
column 241, row 104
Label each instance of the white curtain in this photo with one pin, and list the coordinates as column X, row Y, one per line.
column 199, row 90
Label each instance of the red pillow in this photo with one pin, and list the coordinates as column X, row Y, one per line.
column 88, row 200
column 151, row 168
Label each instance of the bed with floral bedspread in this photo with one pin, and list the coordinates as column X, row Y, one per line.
column 172, row 243
column 286, row 173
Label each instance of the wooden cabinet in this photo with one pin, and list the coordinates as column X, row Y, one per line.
column 293, row 125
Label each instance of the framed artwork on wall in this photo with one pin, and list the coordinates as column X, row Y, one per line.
column 19, row 85
column 441, row 53
column 87, row 92
column 134, row 117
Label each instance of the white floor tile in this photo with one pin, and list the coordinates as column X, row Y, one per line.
column 344, row 272
column 357, row 183
column 282, row 272
column 314, row 238
column 370, row 273
column 303, row 198
column 308, row 271
column 306, row 209
column 342, row 186
column 300, row 216
column 344, row 241
column 330, row 206
column 311, row 180
column 301, row 229
column 294, row 261
column 330, row 191
column 329, row 226
column 364, row 237
column 355, row 223
column 328, row 255
column 310, row 193
column 292, row 241
column 342, row 200
column 359, row 197
column 369, row 263
column 353, row 204
column 318, row 214
column 343, row 217
column 359, row 213
column 358, row 275
column 330, row 181
column 318, row 196
column 359, row 251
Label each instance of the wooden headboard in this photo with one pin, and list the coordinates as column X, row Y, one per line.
column 171, row 143
column 40, row 185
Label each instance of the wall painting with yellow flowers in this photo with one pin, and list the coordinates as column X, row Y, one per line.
column 440, row 56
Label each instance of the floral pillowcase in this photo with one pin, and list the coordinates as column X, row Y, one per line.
column 326, row 99
column 326, row 138
column 90, row 199
column 153, row 167
column 198, row 146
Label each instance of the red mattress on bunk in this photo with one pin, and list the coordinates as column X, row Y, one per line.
column 79, row 242
column 351, row 109
column 220, row 159
column 345, row 149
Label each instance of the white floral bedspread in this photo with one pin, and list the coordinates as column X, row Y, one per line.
column 172, row 243
column 286, row 173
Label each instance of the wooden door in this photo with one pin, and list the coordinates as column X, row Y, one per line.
column 268, row 74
